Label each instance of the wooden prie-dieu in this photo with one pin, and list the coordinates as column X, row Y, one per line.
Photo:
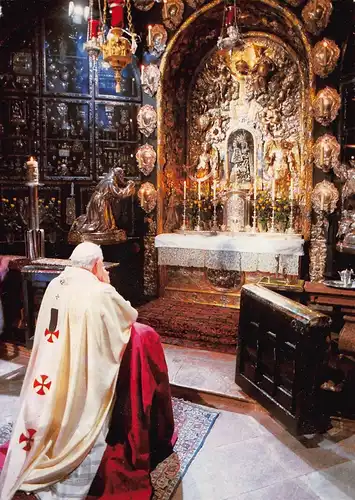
column 281, row 353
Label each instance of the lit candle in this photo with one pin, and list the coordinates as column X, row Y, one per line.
column 199, row 190
column 255, row 182
column 32, row 170
column 133, row 87
column 165, row 12
column 291, row 189
column 322, row 202
column 184, row 190
column 149, row 36
column 214, row 190
column 273, row 193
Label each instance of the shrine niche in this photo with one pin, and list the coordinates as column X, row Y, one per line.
column 234, row 159
column 240, row 113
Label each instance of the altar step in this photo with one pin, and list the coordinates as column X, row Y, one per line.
column 200, row 326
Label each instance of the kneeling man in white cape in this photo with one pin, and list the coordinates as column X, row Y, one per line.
column 82, row 329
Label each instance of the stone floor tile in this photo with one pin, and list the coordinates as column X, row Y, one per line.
column 290, row 490
column 334, row 483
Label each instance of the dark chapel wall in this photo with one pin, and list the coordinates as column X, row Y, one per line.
column 56, row 106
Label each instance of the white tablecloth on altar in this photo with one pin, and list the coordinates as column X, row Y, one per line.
column 242, row 242
column 241, row 252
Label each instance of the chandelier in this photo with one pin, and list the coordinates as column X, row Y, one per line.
column 116, row 44
column 230, row 36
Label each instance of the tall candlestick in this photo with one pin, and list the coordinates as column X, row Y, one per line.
column 165, row 10
column 291, row 190
column 290, row 229
column 149, row 35
column 183, row 227
column 198, row 226
column 273, row 198
column 322, row 202
column 214, row 190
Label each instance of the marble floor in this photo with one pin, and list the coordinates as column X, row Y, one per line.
column 247, row 455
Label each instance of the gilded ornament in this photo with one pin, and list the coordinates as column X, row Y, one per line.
column 150, row 79
column 316, row 15
column 146, row 158
column 326, row 106
column 325, row 197
column 194, row 4
column 148, row 196
column 325, row 55
column 147, row 120
column 173, row 11
column 143, row 5
column 156, row 39
column 318, row 248
column 294, row 3
column 326, row 152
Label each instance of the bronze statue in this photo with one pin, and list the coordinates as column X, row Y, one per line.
column 98, row 224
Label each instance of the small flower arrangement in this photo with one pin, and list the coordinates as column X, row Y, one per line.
column 282, row 210
column 263, row 209
column 10, row 216
column 50, row 213
column 192, row 208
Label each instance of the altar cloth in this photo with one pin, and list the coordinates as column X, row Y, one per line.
column 241, row 252
column 243, row 242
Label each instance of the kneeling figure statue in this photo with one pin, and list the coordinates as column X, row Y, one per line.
column 98, row 225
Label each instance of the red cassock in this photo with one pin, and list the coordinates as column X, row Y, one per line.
column 141, row 433
column 142, row 427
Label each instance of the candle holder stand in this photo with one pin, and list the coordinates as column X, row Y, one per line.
column 198, row 225
column 291, row 230
column 183, row 227
column 214, row 220
column 34, row 236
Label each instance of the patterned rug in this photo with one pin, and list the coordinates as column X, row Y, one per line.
column 193, row 424
column 192, row 325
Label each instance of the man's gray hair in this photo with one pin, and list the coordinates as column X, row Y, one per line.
column 86, row 254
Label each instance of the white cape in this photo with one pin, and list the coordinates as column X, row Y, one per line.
column 82, row 329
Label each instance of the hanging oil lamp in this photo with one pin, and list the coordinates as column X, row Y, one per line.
column 117, row 49
column 120, row 44
column 230, row 36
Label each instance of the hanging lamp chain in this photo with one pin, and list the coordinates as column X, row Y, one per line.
column 129, row 18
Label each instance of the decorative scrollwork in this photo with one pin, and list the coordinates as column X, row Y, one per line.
column 147, row 120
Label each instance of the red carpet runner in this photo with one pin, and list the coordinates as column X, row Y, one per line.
column 192, row 325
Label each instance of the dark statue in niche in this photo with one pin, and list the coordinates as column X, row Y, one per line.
column 99, row 224
column 240, row 157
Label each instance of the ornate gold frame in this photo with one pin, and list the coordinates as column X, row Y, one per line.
column 308, row 97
